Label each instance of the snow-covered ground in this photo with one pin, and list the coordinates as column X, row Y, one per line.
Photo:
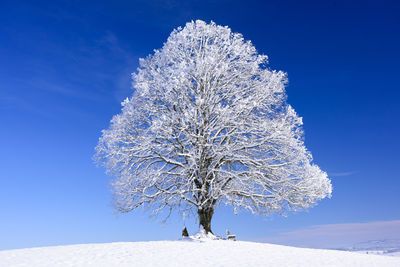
column 187, row 253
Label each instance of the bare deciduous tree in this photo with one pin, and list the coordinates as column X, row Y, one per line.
column 208, row 123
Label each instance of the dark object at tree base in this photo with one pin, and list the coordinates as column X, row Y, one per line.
column 185, row 232
column 229, row 236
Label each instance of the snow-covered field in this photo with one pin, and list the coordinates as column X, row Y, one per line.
column 187, row 253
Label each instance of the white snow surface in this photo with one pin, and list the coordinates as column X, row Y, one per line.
column 187, row 253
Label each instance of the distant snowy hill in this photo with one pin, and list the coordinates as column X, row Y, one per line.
column 187, row 253
column 387, row 247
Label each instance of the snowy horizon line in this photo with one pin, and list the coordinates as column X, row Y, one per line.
column 337, row 235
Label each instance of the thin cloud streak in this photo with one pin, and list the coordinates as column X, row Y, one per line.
column 341, row 174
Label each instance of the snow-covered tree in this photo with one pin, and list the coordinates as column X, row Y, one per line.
column 208, row 123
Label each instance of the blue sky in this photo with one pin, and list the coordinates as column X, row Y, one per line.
column 65, row 67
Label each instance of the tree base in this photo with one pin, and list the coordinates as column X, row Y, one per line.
column 202, row 235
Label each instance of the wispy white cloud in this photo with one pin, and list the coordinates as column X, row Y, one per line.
column 338, row 235
column 63, row 89
column 340, row 174
column 72, row 79
column 11, row 103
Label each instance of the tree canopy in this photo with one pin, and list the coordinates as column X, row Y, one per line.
column 208, row 123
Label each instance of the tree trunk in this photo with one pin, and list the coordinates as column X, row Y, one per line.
column 205, row 216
